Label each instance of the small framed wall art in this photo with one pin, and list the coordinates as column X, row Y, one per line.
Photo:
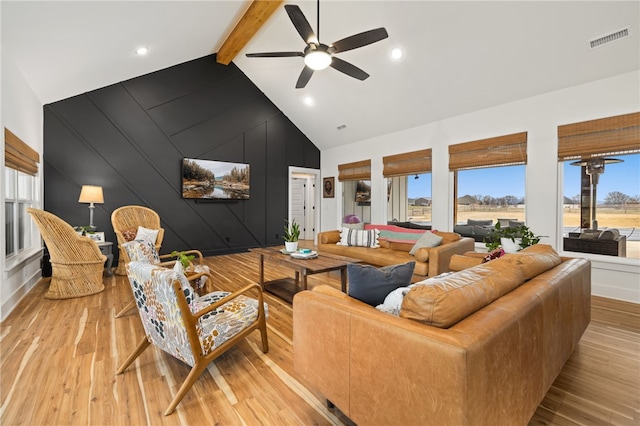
column 328, row 186
column 98, row 237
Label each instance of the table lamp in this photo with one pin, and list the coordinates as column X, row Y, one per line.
column 91, row 194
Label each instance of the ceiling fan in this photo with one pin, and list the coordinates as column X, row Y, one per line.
column 318, row 56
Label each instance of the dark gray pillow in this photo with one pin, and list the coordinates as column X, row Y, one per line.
column 464, row 230
column 371, row 285
column 474, row 222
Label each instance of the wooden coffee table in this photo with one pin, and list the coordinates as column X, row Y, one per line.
column 286, row 288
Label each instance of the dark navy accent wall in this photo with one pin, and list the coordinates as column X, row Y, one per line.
column 130, row 138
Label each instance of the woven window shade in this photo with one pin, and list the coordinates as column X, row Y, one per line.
column 409, row 163
column 355, row 171
column 499, row 151
column 595, row 138
column 18, row 155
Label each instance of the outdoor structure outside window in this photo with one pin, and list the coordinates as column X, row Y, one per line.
column 600, row 162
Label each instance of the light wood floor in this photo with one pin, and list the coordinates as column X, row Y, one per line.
column 58, row 362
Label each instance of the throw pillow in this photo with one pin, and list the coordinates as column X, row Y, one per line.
column 353, row 225
column 150, row 235
column 371, row 285
column 359, row 238
column 428, row 239
column 129, row 234
column 141, row 251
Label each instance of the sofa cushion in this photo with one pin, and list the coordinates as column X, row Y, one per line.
column 371, row 285
column 359, row 238
column 393, row 245
column 463, row 229
column 444, row 302
column 329, row 237
column 448, row 237
column 428, row 239
column 534, row 259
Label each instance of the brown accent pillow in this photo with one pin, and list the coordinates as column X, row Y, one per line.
column 394, row 245
column 129, row 234
column 447, row 237
column 534, row 259
column 422, row 254
column 443, row 301
column 330, row 237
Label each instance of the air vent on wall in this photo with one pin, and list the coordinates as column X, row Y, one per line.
column 608, row 38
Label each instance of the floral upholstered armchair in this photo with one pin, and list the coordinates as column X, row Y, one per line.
column 195, row 329
column 144, row 251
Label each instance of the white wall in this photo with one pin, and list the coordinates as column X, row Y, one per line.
column 539, row 116
column 22, row 113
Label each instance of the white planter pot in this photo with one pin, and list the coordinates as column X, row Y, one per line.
column 291, row 246
column 510, row 246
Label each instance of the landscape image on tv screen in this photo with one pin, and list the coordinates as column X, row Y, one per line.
column 214, row 180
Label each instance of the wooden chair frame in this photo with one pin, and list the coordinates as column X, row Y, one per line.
column 190, row 321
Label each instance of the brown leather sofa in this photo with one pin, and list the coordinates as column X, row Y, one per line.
column 429, row 261
column 492, row 367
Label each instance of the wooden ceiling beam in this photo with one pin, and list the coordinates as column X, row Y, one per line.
column 254, row 18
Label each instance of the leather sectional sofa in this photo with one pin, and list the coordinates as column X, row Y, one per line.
column 483, row 348
column 429, row 261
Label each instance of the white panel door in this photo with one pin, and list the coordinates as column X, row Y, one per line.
column 298, row 204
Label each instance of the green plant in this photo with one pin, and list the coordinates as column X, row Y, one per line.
column 522, row 232
column 183, row 258
column 85, row 229
column 291, row 232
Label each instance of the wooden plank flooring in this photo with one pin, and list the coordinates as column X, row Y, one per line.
column 58, row 362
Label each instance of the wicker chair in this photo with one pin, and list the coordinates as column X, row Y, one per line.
column 76, row 261
column 194, row 329
column 126, row 220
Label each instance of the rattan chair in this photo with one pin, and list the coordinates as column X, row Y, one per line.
column 194, row 329
column 126, row 220
column 76, row 261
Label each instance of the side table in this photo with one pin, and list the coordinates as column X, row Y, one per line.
column 106, row 249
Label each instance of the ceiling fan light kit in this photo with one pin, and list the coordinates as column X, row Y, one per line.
column 318, row 56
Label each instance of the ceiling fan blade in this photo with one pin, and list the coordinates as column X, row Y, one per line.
column 304, row 78
column 349, row 69
column 300, row 22
column 359, row 40
column 274, row 54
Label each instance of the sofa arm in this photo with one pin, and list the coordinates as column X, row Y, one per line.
column 339, row 341
column 329, row 237
column 439, row 257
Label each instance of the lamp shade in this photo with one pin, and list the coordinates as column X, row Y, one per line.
column 91, row 194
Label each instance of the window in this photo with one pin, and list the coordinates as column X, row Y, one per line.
column 409, row 186
column 489, row 179
column 20, row 190
column 21, row 167
column 600, row 160
column 356, row 181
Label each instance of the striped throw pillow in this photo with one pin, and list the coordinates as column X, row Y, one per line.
column 359, row 237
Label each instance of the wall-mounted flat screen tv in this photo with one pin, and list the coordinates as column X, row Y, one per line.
column 214, row 180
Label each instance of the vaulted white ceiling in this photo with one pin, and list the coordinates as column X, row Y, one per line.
column 459, row 56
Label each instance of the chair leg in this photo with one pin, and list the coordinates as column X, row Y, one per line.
column 126, row 309
column 186, row 385
column 144, row 344
column 263, row 334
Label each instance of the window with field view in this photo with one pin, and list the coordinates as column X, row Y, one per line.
column 616, row 207
column 490, row 194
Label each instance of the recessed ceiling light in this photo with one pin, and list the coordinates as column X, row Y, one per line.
column 396, row 53
column 308, row 101
column 142, row 51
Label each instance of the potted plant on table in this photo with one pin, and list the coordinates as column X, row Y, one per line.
column 511, row 239
column 291, row 235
